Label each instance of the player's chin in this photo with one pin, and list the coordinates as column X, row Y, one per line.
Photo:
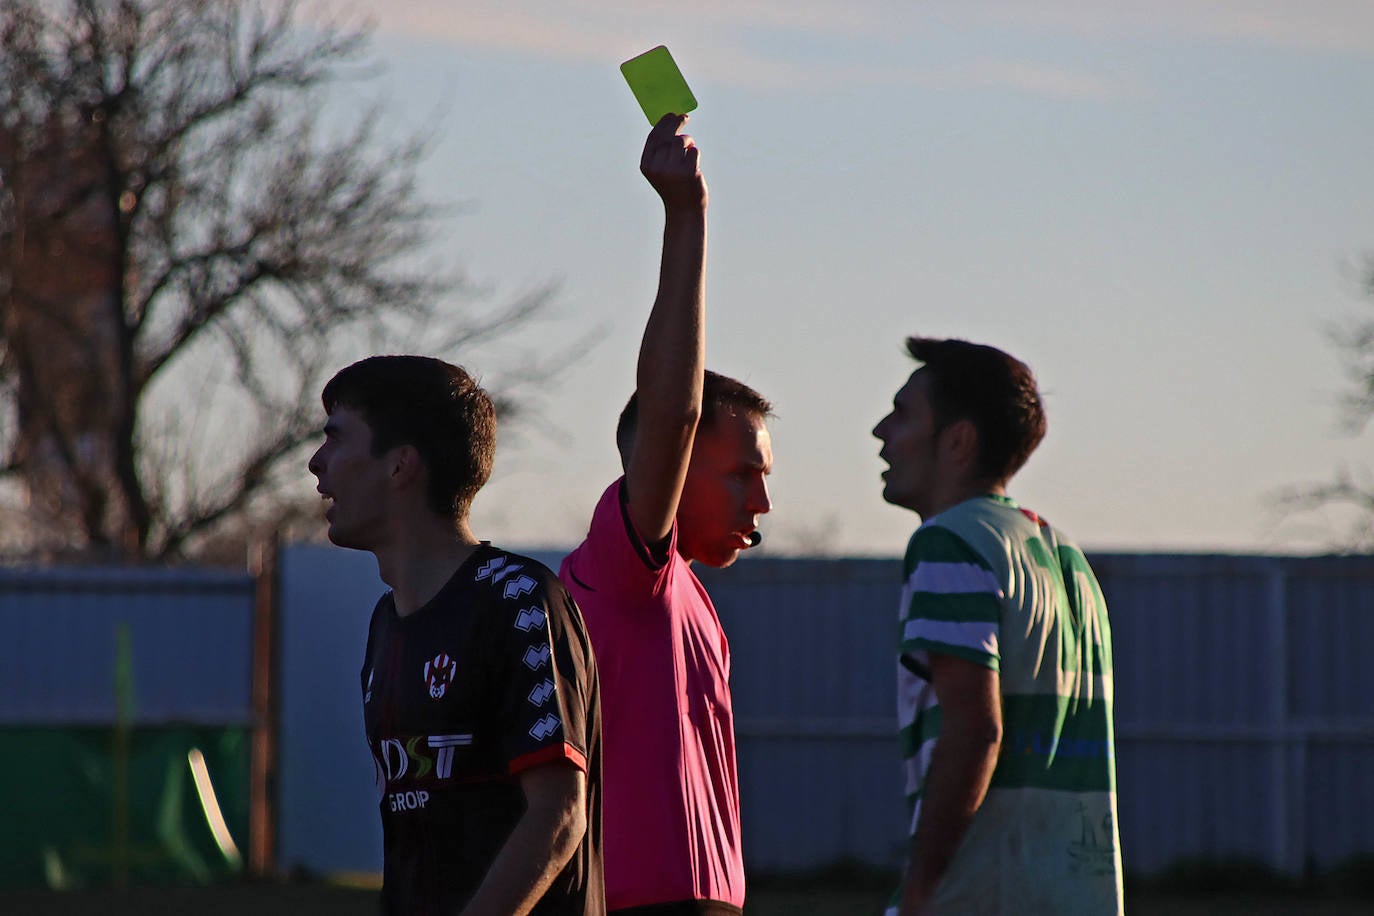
column 893, row 495
column 341, row 537
column 726, row 556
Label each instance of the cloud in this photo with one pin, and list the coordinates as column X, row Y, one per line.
column 585, row 30
column 729, row 41
column 753, row 44
column 1299, row 25
column 1027, row 77
column 1032, row 78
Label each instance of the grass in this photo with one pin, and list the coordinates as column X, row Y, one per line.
column 840, row 891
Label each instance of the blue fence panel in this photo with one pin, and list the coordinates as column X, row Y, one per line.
column 1243, row 708
column 190, row 636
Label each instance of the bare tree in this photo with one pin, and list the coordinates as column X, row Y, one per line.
column 1349, row 493
column 183, row 248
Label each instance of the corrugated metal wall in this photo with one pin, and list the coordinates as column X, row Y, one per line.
column 1245, row 707
column 1245, row 701
column 190, row 635
column 163, row 795
column 327, row 799
column 327, row 804
column 813, row 678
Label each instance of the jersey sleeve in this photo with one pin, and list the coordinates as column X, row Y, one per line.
column 614, row 559
column 365, row 674
column 547, row 695
column 952, row 601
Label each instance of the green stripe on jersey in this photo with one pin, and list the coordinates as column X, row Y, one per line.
column 933, row 544
column 967, row 653
column 1060, row 743
column 915, row 734
column 979, row 606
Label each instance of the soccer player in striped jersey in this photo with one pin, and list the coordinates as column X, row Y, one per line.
column 1005, row 660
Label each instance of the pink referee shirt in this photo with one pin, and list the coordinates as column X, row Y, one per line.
column 670, row 789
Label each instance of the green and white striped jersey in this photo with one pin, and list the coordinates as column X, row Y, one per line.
column 991, row 583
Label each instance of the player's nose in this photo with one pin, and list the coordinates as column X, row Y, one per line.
column 316, row 464
column 760, row 501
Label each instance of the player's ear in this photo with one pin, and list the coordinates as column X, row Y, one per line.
column 960, row 438
column 406, row 465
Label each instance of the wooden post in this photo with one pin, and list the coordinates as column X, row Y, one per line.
column 262, row 811
column 123, row 728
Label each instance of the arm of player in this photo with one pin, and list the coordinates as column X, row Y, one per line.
column 961, row 766
column 540, row 844
column 672, row 354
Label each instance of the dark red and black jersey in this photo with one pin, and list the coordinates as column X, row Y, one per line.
column 492, row 676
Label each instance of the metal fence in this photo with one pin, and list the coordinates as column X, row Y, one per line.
column 131, row 748
column 813, row 674
column 1245, row 706
column 189, row 635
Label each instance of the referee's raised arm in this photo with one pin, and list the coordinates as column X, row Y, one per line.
column 672, row 352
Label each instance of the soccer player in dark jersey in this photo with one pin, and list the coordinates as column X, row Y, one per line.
column 479, row 688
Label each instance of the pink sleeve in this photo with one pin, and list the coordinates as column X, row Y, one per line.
column 614, row 559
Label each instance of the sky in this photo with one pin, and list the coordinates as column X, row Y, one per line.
column 1160, row 206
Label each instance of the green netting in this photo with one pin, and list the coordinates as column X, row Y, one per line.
column 99, row 806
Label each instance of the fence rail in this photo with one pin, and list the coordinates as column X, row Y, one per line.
column 1244, row 700
column 1244, row 706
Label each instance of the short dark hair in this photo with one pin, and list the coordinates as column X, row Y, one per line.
column 991, row 389
column 436, row 407
column 719, row 394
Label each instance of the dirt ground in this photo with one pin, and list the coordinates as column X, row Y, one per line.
column 322, row 900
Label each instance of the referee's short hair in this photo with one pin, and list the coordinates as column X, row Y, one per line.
column 719, row 394
column 436, row 407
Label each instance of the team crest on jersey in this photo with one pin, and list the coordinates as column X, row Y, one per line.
column 439, row 672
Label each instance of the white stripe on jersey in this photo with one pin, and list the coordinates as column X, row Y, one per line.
column 953, row 579
column 914, row 695
column 916, row 766
column 976, row 635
